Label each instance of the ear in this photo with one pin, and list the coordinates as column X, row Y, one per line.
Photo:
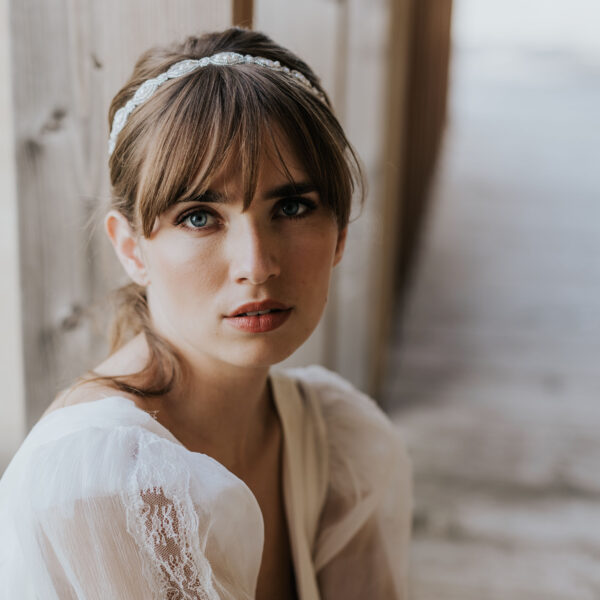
column 341, row 244
column 127, row 246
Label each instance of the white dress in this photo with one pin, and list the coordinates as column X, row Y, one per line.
column 101, row 502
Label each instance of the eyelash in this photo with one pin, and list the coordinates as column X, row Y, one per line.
column 309, row 206
column 181, row 220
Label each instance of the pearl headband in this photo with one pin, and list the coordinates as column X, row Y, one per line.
column 147, row 89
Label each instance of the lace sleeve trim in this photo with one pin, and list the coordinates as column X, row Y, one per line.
column 166, row 532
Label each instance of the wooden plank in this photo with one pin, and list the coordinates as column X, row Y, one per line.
column 69, row 58
column 376, row 52
column 430, row 51
column 12, row 423
column 394, row 151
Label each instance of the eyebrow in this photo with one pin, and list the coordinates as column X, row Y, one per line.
column 209, row 196
column 294, row 188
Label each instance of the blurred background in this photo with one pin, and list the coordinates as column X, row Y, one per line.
column 494, row 374
column 466, row 301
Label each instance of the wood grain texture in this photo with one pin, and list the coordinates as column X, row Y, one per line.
column 375, row 60
column 69, row 58
column 428, row 84
column 12, row 423
column 395, row 151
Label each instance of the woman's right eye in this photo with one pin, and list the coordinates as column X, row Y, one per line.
column 197, row 219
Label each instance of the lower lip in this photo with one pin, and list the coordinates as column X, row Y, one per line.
column 260, row 323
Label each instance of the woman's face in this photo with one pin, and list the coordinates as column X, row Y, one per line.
column 208, row 258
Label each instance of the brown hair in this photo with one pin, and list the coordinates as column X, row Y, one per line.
column 174, row 144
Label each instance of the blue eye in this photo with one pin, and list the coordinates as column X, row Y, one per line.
column 295, row 208
column 197, row 219
column 290, row 208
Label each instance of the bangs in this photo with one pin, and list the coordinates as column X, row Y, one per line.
column 221, row 116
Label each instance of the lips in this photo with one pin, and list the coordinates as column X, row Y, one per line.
column 259, row 317
column 256, row 307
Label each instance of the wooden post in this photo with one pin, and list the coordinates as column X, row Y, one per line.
column 243, row 13
column 394, row 152
column 426, row 117
column 69, row 57
column 376, row 61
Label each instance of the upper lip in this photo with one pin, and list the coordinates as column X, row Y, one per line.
column 258, row 306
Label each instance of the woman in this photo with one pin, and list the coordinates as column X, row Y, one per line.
column 182, row 466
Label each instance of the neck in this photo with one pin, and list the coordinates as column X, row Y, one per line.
column 222, row 410
column 218, row 409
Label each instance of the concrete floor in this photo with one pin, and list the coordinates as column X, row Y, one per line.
column 494, row 379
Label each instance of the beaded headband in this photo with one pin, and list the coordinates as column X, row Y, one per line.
column 147, row 89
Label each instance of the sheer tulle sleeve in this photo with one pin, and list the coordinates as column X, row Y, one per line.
column 121, row 512
column 361, row 549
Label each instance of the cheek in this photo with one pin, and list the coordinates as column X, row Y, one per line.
column 311, row 261
column 182, row 269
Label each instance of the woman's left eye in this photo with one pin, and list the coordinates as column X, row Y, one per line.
column 296, row 207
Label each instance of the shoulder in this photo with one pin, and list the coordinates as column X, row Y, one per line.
column 360, row 435
column 369, row 472
column 83, row 392
column 91, row 430
column 340, row 401
column 111, row 448
column 129, row 359
column 104, row 475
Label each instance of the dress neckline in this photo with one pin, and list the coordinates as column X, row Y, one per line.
column 156, row 424
column 152, row 424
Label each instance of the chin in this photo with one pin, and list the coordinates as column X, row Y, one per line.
column 259, row 355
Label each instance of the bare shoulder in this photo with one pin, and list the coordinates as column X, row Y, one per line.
column 84, row 391
column 127, row 360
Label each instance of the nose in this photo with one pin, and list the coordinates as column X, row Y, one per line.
column 254, row 253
